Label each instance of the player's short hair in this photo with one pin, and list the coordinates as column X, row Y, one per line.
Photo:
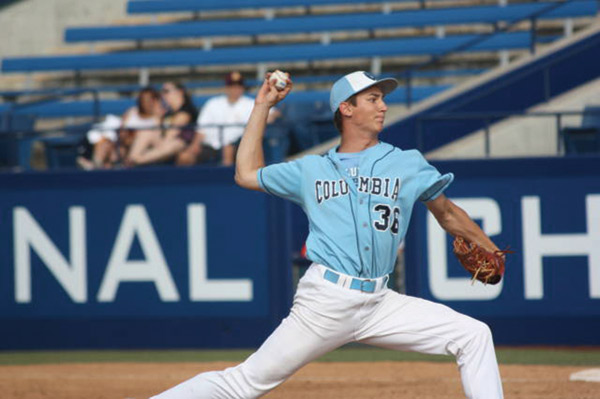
column 337, row 117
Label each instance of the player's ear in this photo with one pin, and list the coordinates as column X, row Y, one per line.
column 346, row 108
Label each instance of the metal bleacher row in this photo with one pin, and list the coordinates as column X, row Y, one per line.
column 264, row 53
column 325, row 23
column 161, row 6
column 330, row 46
column 79, row 108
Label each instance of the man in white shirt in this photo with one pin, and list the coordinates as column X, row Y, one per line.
column 221, row 123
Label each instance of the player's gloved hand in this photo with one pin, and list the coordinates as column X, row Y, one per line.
column 269, row 94
column 483, row 265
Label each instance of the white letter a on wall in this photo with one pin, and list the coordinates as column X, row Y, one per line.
column 153, row 268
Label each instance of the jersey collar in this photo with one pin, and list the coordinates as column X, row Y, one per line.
column 373, row 150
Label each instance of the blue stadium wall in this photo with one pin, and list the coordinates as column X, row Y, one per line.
column 181, row 258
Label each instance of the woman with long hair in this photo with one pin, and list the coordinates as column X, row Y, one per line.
column 177, row 131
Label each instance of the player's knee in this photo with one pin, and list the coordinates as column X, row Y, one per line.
column 480, row 331
column 475, row 336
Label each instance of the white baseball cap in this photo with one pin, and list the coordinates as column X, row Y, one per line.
column 354, row 82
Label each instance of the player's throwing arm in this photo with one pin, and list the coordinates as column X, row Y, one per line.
column 250, row 155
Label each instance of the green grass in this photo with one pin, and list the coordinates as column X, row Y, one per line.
column 556, row 356
column 122, row 356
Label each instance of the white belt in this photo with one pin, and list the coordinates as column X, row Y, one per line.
column 370, row 285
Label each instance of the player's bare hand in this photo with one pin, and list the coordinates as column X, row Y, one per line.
column 269, row 94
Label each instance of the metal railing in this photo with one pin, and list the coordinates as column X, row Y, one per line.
column 274, row 139
column 487, row 120
column 50, row 96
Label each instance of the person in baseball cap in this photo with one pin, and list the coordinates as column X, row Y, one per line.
column 353, row 83
column 234, row 79
column 221, row 124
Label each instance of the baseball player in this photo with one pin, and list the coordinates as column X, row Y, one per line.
column 358, row 198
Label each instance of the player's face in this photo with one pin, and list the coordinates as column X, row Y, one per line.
column 370, row 110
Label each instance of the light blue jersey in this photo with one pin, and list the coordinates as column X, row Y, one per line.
column 355, row 228
column 351, row 162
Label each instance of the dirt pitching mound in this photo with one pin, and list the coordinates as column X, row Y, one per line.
column 359, row 380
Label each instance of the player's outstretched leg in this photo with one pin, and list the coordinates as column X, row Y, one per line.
column 317, row 324
column 412, row 324
column 289, row 347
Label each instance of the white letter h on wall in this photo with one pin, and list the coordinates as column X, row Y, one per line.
column 537, row 245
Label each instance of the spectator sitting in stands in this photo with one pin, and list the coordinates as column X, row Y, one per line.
column 108, row 147
column 221, row 124
column 153, row 146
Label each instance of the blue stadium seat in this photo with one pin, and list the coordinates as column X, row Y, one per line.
column 332, row 23
column 15, row 152
column 276, row 143
column 15, row 141
column 9, row 122
column 322, row 125
column 299, row 118
column 61, row 152
column 586, row 138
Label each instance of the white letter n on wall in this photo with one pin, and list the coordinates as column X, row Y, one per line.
column 29, row 235
column 537, row 245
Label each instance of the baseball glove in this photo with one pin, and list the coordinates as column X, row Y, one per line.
column 483, row 265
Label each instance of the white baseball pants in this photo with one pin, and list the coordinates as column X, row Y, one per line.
column 326, row 316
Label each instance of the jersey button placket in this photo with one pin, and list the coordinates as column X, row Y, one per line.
column 366, row 233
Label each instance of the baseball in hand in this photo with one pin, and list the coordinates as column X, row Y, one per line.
column 280, row 79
